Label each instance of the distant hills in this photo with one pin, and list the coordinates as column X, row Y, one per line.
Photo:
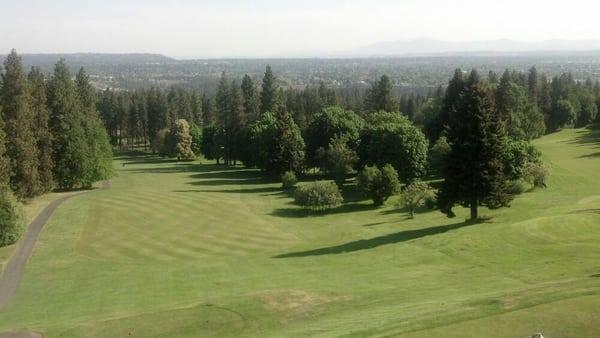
column 95, row 59
column 424, row 47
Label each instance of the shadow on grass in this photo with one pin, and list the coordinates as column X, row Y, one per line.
column 586, row 211
column 263, row 190
column 365, row 244
column 298, row 212
column 588, row 135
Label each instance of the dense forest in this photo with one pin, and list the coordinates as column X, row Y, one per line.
column 51, row 137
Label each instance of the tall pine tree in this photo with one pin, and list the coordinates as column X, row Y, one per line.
column 43, row 137
column 473, row 173
column 269, row 97
column 251, row 100
column 21, row 145
column 70, row 148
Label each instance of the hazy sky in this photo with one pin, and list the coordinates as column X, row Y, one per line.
column 236, row 28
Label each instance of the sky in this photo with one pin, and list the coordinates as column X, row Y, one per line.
column 271, row 28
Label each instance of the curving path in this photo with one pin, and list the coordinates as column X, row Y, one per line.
column 9, row 281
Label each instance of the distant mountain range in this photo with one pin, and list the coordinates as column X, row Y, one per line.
column 422, row 47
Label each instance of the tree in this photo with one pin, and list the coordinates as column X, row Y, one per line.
column 196, row 133
column 181, row 141
column 157, row 107
column 338, row 159
column 21, row 145
column 523, row 118
column 380, row 96
column 392, row 138
column 269, row 98
column 588, row 111
column 436, row 112
column 211, row 148
column 43, row 137
column 70, row 149
column 414, row 195
column 474, row 173
column 329, row 123
column 251, row 100
column 276, row 144
column 4, row 160
column 438, row 155
column 378, row 184
column 563, row 115
column 12, row 219
column 290, row 145
column 98, row 164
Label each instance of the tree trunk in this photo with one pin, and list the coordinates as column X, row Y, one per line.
column 474, row 215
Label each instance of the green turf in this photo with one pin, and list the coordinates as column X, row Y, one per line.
column 189, row 249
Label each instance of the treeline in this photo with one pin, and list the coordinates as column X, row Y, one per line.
column 480, row 126
column 50, row 137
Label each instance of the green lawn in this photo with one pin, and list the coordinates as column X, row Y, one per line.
column 189, row 249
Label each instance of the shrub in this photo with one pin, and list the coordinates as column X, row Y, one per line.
column 516, row 155
column 414, row 195
column 12, row 221
column 515, row 187
column 378, row 184
column 535, row 174
column 288, row 180
column 319, row 196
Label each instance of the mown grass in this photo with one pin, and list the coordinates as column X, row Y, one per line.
column 190, row 249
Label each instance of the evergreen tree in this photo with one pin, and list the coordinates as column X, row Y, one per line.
column 21, row 145
column 533, row 84
column 99, row 153
column 70, row 148
column 43, row 137
column 251, row 100
column 4, row 160
column 269, row 96
column 380, row 96
column 474, row 173
column 196, row 108
column 157, row 108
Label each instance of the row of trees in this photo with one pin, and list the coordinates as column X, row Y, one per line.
column 50, row 136
column 478, row 128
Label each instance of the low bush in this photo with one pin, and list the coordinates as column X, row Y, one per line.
column 288, row 180
column 319, row 196
column 12, row 221
column 535, row 174
column 414, row 195
column 516, row 187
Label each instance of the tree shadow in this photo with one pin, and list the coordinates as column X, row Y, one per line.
column 262, row 190
column 588, row 135
column 365, row 244
column 374, row 224
column 586, row 211
column 298, row 212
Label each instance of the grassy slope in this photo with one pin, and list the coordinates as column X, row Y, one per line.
column 31, row 208
column 187, row 249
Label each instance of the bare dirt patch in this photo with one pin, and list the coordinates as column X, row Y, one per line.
column 297, row 303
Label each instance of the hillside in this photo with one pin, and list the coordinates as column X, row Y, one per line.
column 179, row 249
